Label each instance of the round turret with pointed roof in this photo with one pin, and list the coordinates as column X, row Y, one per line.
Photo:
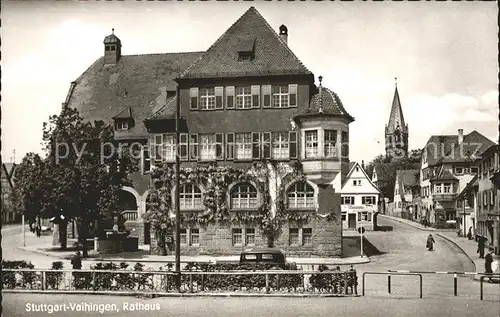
column 112, row 38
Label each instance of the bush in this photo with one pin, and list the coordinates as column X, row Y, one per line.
column 28, row 279
column 104, row 280
column 55, row 278
column 124, row 281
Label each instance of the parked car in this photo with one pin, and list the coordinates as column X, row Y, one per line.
column 263, row 255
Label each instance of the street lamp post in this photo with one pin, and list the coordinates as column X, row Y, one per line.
column 177, row 199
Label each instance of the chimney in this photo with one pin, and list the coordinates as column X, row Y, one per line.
column 363, row 164
column 284, row 34
column 460, row 136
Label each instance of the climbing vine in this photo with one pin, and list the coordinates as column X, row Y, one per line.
column 215, row 181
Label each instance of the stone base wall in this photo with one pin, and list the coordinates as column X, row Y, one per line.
column 217, row 240
column 326, row 239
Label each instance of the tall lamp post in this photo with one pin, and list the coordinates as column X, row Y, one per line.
column 177, row 198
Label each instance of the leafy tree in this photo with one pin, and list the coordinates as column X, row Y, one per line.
column 79, row 179
column 386, row 169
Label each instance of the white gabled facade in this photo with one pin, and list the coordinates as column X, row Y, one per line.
column 360, row 198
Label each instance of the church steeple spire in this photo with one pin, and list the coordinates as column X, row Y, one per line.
column 396, row 117
column 396, row 130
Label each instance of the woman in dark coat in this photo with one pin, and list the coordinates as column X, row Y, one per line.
column 430, row 242
column 488, row 260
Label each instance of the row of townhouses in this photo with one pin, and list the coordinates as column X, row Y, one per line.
column 456, row 184
column 247, row 98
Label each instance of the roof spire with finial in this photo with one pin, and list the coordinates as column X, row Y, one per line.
column 113, row 31
column 396, row 117
column 320, row 94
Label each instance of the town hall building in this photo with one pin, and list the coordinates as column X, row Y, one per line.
column 246, row 99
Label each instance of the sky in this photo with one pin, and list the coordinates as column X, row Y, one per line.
column 444, row 55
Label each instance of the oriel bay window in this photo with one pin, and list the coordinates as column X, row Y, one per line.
column 345, row 145
column 330, row 143
column 243, row 196
column 311, row 144
column 300, row 195
column 447, row 188
column 190, row 197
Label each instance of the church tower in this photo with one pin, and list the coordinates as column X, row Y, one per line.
column 396, row 131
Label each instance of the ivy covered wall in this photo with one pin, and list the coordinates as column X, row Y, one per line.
column 269, row 223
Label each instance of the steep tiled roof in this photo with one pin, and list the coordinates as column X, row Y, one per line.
column 327, row 102
column 124, row 114
column 137, row 82
column 437, row 146
column 396, row 117
column 271, row 55
column 473, row 146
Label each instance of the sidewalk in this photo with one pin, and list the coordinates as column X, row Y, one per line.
column 469, row 247
column 143, row 257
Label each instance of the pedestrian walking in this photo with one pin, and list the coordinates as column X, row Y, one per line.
column 469, row 234
column 430, row 242
column 480, row 246
column 488, row 260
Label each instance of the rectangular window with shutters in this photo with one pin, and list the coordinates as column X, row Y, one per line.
column 266, row 145
column 207, row 98
column 345, row 145
column 266, row 96
column 256, row 145
column 311, row 144
column 307, row 236
column 330, row 143
column 292, row 92
column 292, row 137
column 219, row 146
column 256, row 96
column 183, row 146
column 243, row 97
column 280, row 96
column 207, row 147
column 243, row 146
column 193, row 94
column 293, row 236
column 280, row 145
column 230, row 97
column 193, row 147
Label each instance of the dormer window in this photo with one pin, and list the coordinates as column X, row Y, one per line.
column 246, row 50
column 110, row 48
column 121, row 125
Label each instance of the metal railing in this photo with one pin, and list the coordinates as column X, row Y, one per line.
column 420, row 275
column 389, row 280
column 157, row 282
